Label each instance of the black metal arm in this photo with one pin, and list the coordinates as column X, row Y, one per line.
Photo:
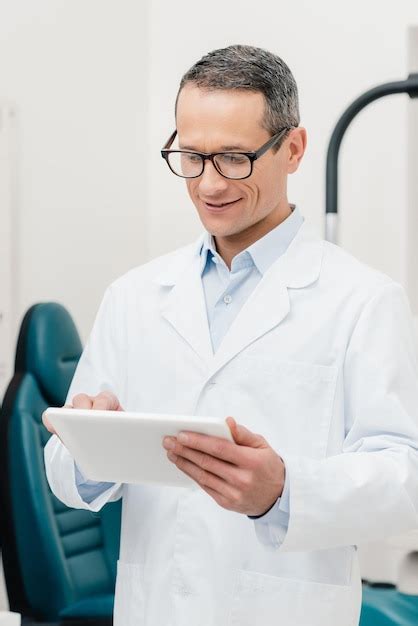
column 409, row 86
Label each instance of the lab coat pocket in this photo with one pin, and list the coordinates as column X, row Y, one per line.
column 270, row 600
column 288, row 402
column 129, row 595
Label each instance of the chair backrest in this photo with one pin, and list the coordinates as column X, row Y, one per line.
column 53, row 556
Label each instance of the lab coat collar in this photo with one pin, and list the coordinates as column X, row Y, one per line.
column 185, row 307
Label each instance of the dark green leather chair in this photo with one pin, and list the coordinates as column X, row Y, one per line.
column 59, row 563
column 388, row 607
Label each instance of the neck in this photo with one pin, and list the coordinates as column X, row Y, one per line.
column 231, row 245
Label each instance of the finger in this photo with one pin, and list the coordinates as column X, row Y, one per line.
column 225, row 470
column 106, row 401
column 244, row 437
column 219, row 499
column 48, row 424
column 82, row 401
column 202, row 477
column 214, row 446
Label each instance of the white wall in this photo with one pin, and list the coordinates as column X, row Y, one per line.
column 77, row 73
column 7, row 247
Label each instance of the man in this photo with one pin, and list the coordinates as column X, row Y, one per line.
column 285, row 335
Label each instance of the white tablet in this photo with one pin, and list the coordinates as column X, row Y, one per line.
column 126, row 447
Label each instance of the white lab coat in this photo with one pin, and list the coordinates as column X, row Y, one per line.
column 321, row 362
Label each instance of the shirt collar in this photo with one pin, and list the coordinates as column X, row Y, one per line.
column 262, row 253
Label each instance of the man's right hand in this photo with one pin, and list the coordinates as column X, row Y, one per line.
column 104, row 401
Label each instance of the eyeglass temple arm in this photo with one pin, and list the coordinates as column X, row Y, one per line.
column 170, row 140
column 271, row 142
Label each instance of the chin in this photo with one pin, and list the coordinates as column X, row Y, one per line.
column 219, row 231
column 218, row 227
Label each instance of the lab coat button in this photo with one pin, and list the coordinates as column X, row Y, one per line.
column 228, row 299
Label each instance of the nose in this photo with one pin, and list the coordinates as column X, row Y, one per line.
column 211, row 182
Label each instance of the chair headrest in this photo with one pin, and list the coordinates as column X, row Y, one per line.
column 49, row 347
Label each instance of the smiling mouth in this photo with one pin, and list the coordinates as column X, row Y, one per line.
column 219, row 207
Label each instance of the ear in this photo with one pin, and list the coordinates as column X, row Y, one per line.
column 296, row 146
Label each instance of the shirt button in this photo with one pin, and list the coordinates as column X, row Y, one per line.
column 228, row 299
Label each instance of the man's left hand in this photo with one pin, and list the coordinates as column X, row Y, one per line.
column 245, row 475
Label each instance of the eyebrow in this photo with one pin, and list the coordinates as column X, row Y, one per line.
column 221, row 149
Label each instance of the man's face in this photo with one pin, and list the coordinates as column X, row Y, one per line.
column 226, row 120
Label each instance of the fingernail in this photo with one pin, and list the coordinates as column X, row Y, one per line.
column 182, row 437
column 168, row 443
column 172, row 456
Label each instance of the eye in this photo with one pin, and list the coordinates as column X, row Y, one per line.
column 191, row 157
column 233, row 158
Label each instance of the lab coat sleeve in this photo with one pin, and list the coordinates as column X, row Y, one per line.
column 89, row 489
column 60, row 472
column 99, row 369
column 370, row 490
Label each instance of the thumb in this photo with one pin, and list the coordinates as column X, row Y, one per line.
column 244, row 437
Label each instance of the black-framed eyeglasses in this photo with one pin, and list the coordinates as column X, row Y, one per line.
column 235, row 165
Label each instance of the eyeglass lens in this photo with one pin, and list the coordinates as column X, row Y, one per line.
column 231, row 164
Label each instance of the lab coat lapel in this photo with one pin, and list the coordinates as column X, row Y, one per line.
column 184, row 307
column 269, row 304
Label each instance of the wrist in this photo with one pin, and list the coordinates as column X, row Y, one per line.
column 265, row 512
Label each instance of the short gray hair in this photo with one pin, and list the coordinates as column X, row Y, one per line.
column 251, row 69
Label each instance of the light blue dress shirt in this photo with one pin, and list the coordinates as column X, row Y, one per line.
column 226, row 290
